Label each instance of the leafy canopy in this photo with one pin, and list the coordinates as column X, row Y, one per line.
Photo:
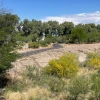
column 7, row 40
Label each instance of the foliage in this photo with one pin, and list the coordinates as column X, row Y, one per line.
column 37, row 85
column 63, row 39
column 93, row 60
column 43, row 43
column 33, row 45
column 93, row 37
column 79, row 85
column 65, row 66
column 56, row 85
column 32, row 72
column 93, row 55
column 94, row 63
column 63, row 33
column 78, row 35
column 96, row 86
column 7, row 41
column 66, row 28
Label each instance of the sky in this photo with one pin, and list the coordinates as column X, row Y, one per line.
column 76, row 11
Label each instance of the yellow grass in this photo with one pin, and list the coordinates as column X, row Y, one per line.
column 30, row 93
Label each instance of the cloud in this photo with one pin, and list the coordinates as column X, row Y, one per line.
column 76, row 18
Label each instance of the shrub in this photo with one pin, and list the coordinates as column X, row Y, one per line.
column 93, row 37
column 93, row 60
column 63, row 39
column 78, row 86
column 60, row 39
column 48, row 40
column 96, row 86
column 33, row 45
column 18, row 86
column 98, row 72
column 32, row 72
column 93, row 55
column 94, row 63
column 56, row 84
column 65, row 66
column 43, row 43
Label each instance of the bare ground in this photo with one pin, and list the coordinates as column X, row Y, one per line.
column 40, row 57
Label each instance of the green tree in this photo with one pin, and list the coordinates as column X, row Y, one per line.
column 7, row 40
column 66, row 28
column 78, row 35
column 98, row 27
column 93, row 37
column 53, row 27
column 26, row 27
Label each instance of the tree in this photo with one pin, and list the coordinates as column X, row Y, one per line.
column 98, row 27
column 53, row 27
column 87, row 28
column 7, row 40
column 26, row 27
column 36, row 27
column 93, row 37
column 66, row 28
column 80, row 25
column 78, row 35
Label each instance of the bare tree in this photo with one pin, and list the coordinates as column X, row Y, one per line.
column 3, row 10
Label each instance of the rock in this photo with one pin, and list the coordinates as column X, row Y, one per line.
column 82, row 57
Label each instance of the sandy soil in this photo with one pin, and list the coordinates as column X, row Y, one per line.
column 42, row 56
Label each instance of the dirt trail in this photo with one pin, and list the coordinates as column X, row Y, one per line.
column 42, row 56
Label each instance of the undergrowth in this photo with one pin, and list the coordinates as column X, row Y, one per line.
column 35, row 84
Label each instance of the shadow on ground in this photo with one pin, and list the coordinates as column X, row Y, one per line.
column 3, row 81
column 54, row 46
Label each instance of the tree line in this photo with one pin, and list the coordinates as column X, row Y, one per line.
column 66, row 32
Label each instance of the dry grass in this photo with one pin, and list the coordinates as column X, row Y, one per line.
column 85, row 71
column 36, row 85
column 30, row 93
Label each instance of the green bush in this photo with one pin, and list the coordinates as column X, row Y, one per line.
column 93, row 37
column 33, row 45
column 18, row 86
column 96, row 86
column 63, row 39
column 79, row 85
column 48, row 40
column 56, row 84
column 65, row 66
column 43, row 43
